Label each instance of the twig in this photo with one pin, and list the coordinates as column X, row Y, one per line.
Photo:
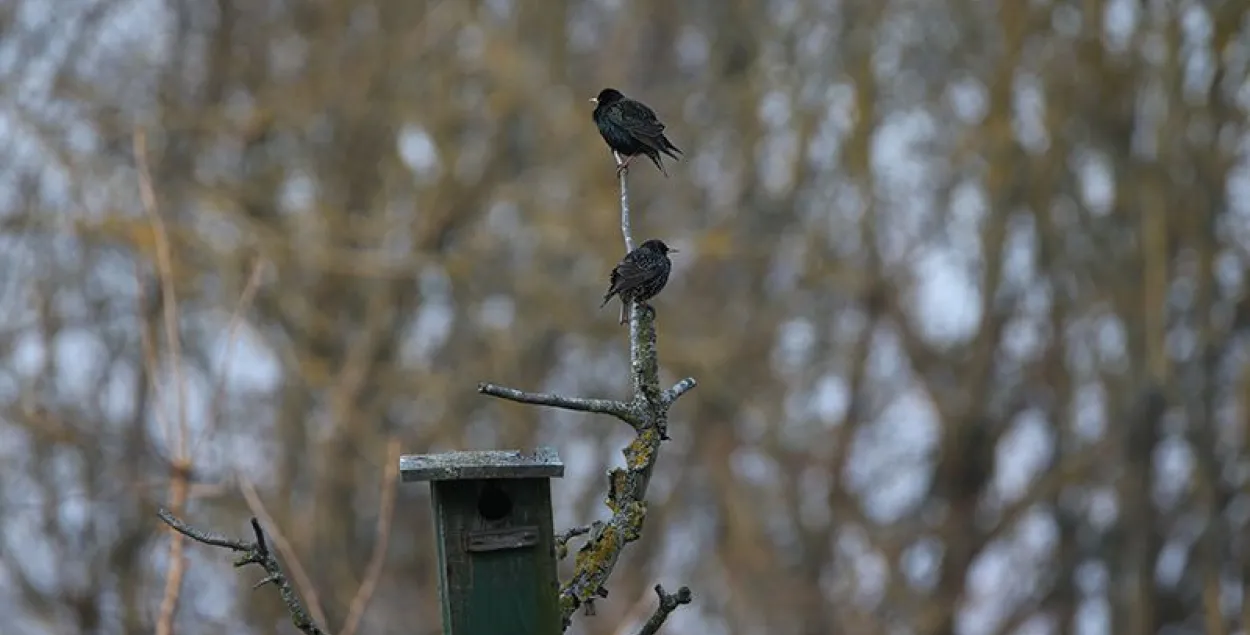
column 668, row 603
column 253, row 553
column 678, row 389
column 386, row 510
column 563, row 538
column 181, row 461
column 177, row 494
column 302, row 581
column 164, row 265
column 616, row 408
column 647, row 412
column 176, row 568
column 626, row 231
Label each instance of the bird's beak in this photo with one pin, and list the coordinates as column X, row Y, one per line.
column 594, row 100
column 673, row 251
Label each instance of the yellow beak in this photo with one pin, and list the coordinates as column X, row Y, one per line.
column 594, row 100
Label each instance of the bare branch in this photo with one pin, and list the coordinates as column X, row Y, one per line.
column 563, row 538
column 680, row 388
column 176, row 569
column 618, row 409
column 626, row 230
column 182, row 463
column 169, row 299
column 207, row 537
column 627, row 487
column 647, row 412
column 386, row 511
column 668, row 603
column 253, row 553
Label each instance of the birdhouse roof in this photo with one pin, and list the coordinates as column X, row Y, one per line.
column 481, row 464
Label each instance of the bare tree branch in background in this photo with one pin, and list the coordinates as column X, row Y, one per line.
column 390, row 479
column 181, row 465
column 647, row 412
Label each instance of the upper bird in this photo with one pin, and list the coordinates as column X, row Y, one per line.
column 641, row 274
column 631, row 128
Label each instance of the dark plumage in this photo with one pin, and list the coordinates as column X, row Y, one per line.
column 631, row 128
column 641, row 274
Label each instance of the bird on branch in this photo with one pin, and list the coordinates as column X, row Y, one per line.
column 631, row 128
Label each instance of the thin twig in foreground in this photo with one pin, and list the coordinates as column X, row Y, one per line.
column 618, row 409
column 626, row 230
column 668, row 603
column 680, row 388
column 253, row 553
column 563, row 538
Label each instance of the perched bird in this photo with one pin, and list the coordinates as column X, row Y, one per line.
column 630, row 128
column 641, row 274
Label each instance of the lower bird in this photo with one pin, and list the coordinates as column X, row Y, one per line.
column 640, row 275
column 631, row 128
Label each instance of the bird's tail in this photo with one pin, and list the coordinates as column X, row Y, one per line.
column 655, row 158
column 668, row 148
column 607, row 296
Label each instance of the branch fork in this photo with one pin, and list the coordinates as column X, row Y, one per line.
column 252, row 553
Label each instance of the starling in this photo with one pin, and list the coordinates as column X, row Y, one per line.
column 630, row 128
column 640, row 275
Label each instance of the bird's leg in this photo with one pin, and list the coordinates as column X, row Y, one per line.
column 624, row 164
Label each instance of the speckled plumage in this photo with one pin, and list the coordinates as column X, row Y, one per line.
column 640, row 275
column 631, row 128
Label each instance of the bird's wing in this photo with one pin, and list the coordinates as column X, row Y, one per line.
column 626, row 277
column 640, row 121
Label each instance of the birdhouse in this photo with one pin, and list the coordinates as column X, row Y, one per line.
column 496, row 543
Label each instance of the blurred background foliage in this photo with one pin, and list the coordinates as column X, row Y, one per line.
column 963, row 283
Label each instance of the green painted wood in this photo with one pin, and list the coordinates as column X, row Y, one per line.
column 496, row 548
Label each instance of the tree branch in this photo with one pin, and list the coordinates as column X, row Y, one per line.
column 386, row 513
column 563, row 538
column 668, row 603
column 253, row 553
column 647, row 412
column 680, row 388
column 618, row 409
column 626, row 231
